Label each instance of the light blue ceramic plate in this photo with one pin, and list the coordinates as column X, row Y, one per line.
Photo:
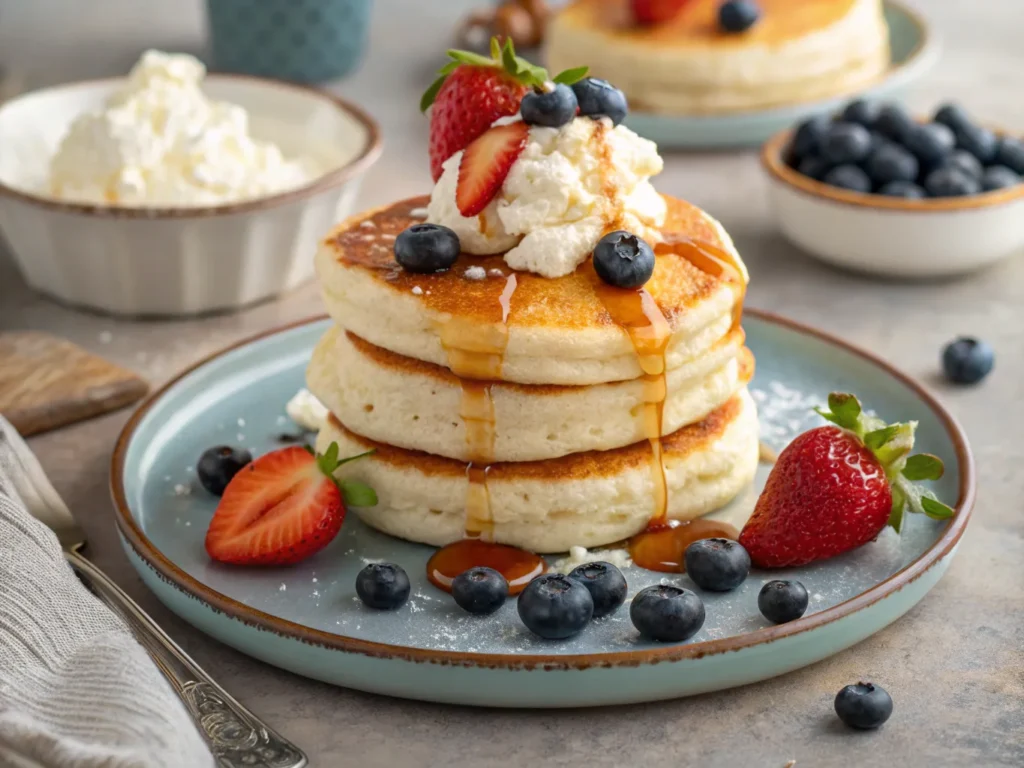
column 915, row 49
column 307, row 618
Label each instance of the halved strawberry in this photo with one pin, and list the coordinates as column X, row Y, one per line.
column 485, row 164
column 282, row 508
column 835, row 488
column 472, row 91
column 656, row 11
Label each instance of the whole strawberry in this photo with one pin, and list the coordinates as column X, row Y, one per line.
column 835, row 488
column 472, row 91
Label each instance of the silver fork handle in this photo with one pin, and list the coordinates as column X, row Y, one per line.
column 236, row 736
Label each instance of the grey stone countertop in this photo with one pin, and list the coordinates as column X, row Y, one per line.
column 954, row 664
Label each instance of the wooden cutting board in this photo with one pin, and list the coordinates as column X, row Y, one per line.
column 47, row 382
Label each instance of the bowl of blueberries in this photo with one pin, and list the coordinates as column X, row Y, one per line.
column 875, row 189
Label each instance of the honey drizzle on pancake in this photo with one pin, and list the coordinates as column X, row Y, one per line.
column 475, row 354
column 711, row 260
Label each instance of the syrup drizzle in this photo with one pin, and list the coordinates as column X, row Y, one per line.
column 476, row 352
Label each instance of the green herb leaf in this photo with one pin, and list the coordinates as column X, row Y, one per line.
column 570, row 76
column 879, row 437
column 358, row 494
column 431, row 93
column 923, row 466
column 899, row 505
column 935, row 509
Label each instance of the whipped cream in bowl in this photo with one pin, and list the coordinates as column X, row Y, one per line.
column 172, row 192
column 564, row 190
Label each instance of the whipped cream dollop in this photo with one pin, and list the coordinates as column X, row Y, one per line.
column 564, row 190
column 160, row 141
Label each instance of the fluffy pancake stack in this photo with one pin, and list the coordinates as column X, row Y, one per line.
column 542, row 413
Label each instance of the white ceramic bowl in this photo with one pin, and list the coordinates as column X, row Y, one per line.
column 179, row 261
column 888, row 235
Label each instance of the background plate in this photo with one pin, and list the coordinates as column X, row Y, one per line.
column 915, row 48
column 308, row 619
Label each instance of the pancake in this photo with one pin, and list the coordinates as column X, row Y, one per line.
column 411, row 404
column 799, row 50
column 548, row 331
column 585, row 499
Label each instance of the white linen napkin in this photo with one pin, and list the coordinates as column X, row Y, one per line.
column 76, row 689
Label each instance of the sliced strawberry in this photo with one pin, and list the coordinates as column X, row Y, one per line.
column 485, row 164
column 472, row 91
column 835, row 488
column 282, row 508
column 649, row 12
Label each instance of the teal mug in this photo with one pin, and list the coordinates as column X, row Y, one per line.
column 308, row 41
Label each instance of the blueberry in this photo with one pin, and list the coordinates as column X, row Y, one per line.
column 848, row 177
column 807, row 137
column 667, row 613
column 1011, row 154
column 998, row 177
column 606, row 584
column 427, row 248
column 980, row 142
column 480, row 590
column 906, row 189
column 383, row 585
column 950, row 182
column 738, row 15
column 967, row 360
column 218, row 465
column 966, row 162
column 862, row 112
column 624, row 260
column 717, row 565
column 846, row 143
column 952, row 115
column 863, row 706
column 599, row 98
column 552, row 108
column 555, row 606
column 814, row 167
column 894, row 122
column 891, row 162
column 782, row 601
column 931, row 143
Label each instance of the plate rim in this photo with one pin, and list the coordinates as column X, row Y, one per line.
column 927, row 45
column 174, row 576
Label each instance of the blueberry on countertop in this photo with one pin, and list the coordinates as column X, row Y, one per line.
column 894, row 122
column 218, row 465
column 863, row 706
column 952, row 115
column 738, row 15
column 781, row 601
column 998, row 177
column 717, row 565
column 848, row 177
column 891, row 162
column 950, row 182
column 861, row 111
column 979, row 141
column 667, row 613
column 551, row 109
column 1011, row 154
column 427, row 248
column 480, row 590
column 931, row 143
column 599, row 98
column 967, row 360
column 808, row 136
column 846, row 143
column 555, row 606
column 905, row 189
column 606, row 584
column 624, row 260
column 383, row 586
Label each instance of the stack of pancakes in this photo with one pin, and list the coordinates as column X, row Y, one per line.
column 541, row 413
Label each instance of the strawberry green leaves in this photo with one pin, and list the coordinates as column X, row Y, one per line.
column 891, row 445
column 502, row 57
column 355, row 492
